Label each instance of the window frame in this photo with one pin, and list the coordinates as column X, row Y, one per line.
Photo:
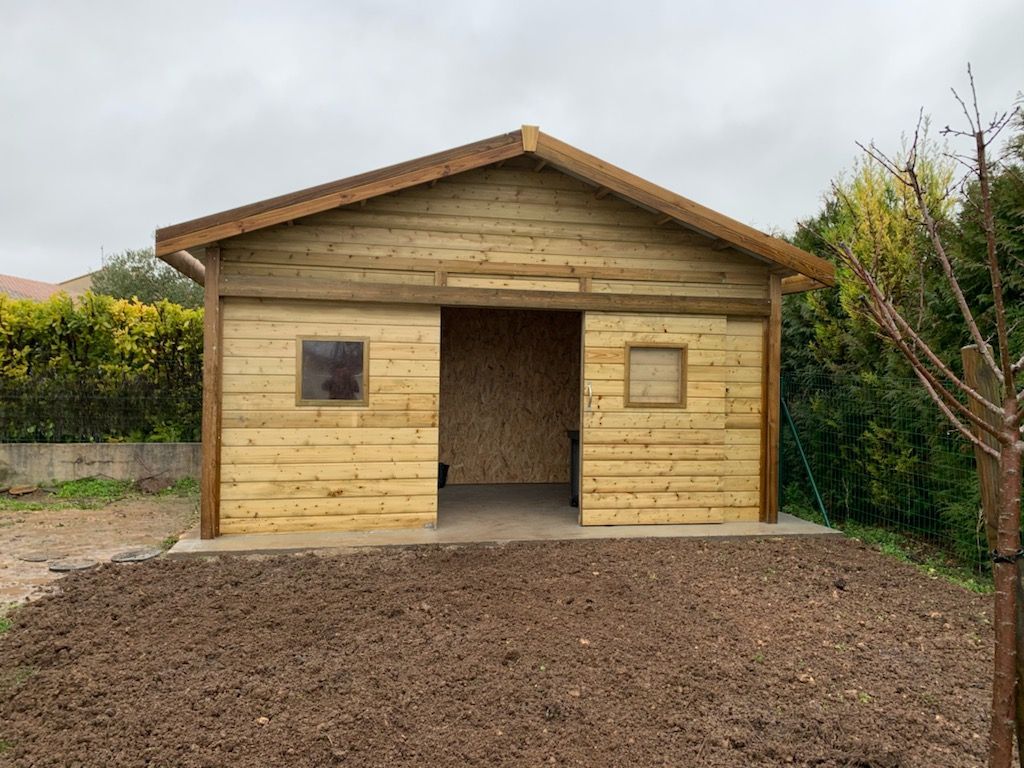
column 329, row 403
column 682, row 349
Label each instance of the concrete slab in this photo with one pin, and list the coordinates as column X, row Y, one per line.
column 470, row 514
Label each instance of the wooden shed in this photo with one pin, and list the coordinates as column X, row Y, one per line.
column 478, row 307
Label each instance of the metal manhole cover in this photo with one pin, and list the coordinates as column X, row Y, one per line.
column 63, row 566
column 41, row 557
column 136, row 555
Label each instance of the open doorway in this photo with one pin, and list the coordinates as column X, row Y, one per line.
column 510, row 396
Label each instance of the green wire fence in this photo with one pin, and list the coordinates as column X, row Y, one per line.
column 877, row 452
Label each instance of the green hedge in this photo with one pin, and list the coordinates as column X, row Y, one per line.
column 99, row 369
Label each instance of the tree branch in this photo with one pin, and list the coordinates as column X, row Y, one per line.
column 932, row 228
column 963, row 430
column 989, row 225
column 889, row 320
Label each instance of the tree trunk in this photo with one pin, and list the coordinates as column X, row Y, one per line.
column 999, row 481
column 1004, row 684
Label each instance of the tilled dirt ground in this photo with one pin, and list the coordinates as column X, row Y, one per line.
column 803, row 651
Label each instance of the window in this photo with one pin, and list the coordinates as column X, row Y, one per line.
column 331, row 371
column 655, row 376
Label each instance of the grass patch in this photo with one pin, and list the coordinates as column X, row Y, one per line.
column 924, row 555
column 5, row 623
column 94, row 489
column 185, row 487
column 169, row 542
column 925, row 558
column 7, row 504
column 92, row 493
column 86, row 493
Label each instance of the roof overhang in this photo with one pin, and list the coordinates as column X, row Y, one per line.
column 529, row 140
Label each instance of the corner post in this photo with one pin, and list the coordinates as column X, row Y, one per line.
column 771, row 403
column 209, row 482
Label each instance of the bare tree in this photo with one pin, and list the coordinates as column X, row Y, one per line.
column 991, row 420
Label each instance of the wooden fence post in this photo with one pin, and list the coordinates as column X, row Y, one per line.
column 983, row 380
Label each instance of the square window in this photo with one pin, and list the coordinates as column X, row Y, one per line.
column 331, row 371
column 656, row 376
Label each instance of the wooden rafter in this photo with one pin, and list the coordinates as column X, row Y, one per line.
column 798, row 284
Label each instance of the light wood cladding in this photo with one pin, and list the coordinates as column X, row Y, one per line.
column 524, row 148
column 694, row 464
column 496, row 395
column 288, row 467
column 509, row 228
column 509, row 391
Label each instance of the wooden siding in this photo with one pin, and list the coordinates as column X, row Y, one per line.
column 289, row 468
column 696, row 464
column 508, row 228
column 743, row 407
column 509, row 231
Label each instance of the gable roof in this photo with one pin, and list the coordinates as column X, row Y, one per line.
column 23, row 288
column 527, row 141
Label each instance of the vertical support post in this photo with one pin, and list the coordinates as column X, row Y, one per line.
column 209, row 482
column 771, row 402
column 982, row 379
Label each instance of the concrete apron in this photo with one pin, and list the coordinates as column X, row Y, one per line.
column 473, row 514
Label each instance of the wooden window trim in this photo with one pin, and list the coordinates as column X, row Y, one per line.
column 683, row 355
column 361, row 403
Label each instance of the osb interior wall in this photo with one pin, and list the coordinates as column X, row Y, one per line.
column 510, row 383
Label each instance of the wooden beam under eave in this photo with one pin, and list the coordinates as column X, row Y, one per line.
column 209, row 478
column 602, row 193
column 540, row 166
column 389, row 293
column 771, row 404
column 187, row 264
column 799, row 284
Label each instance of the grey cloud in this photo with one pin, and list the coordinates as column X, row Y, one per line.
column 116, row 118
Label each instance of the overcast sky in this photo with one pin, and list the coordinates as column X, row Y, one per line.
column 117, row 118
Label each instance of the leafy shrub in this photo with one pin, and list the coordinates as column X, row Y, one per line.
column 97, row 368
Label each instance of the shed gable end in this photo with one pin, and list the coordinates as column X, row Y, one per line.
column 516, row 226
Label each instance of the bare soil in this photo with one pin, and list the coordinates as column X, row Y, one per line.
column 656, row 652
column 80, row 534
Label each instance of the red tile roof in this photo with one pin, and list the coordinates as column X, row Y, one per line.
column 23, row 288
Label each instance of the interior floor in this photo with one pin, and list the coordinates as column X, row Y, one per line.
column 507, row 511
